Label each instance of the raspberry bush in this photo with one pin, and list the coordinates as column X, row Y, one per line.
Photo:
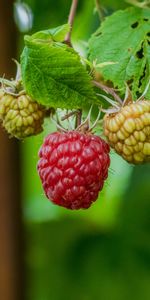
column 53, row 80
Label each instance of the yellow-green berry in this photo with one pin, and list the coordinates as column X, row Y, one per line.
column 128, row 131
column 20, row 115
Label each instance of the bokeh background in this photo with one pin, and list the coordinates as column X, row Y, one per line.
column 47, row 252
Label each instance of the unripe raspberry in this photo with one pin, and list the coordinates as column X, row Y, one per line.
column 128, row 131
column 20, row 115
column 73, row 167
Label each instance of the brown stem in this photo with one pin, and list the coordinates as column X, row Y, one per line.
column 12, row 248
column 71, row 17
column 78, row 118
column 99, row 10
column 67, row 116
column 108, row 90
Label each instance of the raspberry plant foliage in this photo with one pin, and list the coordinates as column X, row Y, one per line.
column 54, row 76
column 124, row 38
column 52, row 72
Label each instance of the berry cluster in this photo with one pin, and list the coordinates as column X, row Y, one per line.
column 73, row 165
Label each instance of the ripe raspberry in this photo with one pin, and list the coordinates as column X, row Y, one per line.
column 20, row 115
column 128, row 131
column 73, row 167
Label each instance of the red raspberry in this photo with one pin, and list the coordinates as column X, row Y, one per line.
column 73, row 167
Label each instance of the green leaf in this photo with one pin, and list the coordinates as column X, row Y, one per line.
column 53, row 74
column 55, row 34
column 124, row 38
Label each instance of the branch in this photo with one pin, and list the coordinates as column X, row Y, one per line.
column 67, row 116
column 71, row 21
column 107, row 90
column 78, row 118
column 99, row 10
column 143, row 4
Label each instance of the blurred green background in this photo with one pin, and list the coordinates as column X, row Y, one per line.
column 104, row 252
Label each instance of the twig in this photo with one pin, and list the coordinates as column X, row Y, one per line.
column 78, row 118
column 144, row 4
column 71, row 21
column 99, row 10
column 67, row 116
column 107, row 90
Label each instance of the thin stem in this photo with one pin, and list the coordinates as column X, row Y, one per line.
column 71, row 17
column 96, row 121
column 99, row 10
column 68, row 115
column 144, row 4
column 78, row 118
column 18, row 74
column 107, row 90
column 145, row 91
column 57, row 124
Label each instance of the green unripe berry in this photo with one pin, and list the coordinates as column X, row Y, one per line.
column 20, row 115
